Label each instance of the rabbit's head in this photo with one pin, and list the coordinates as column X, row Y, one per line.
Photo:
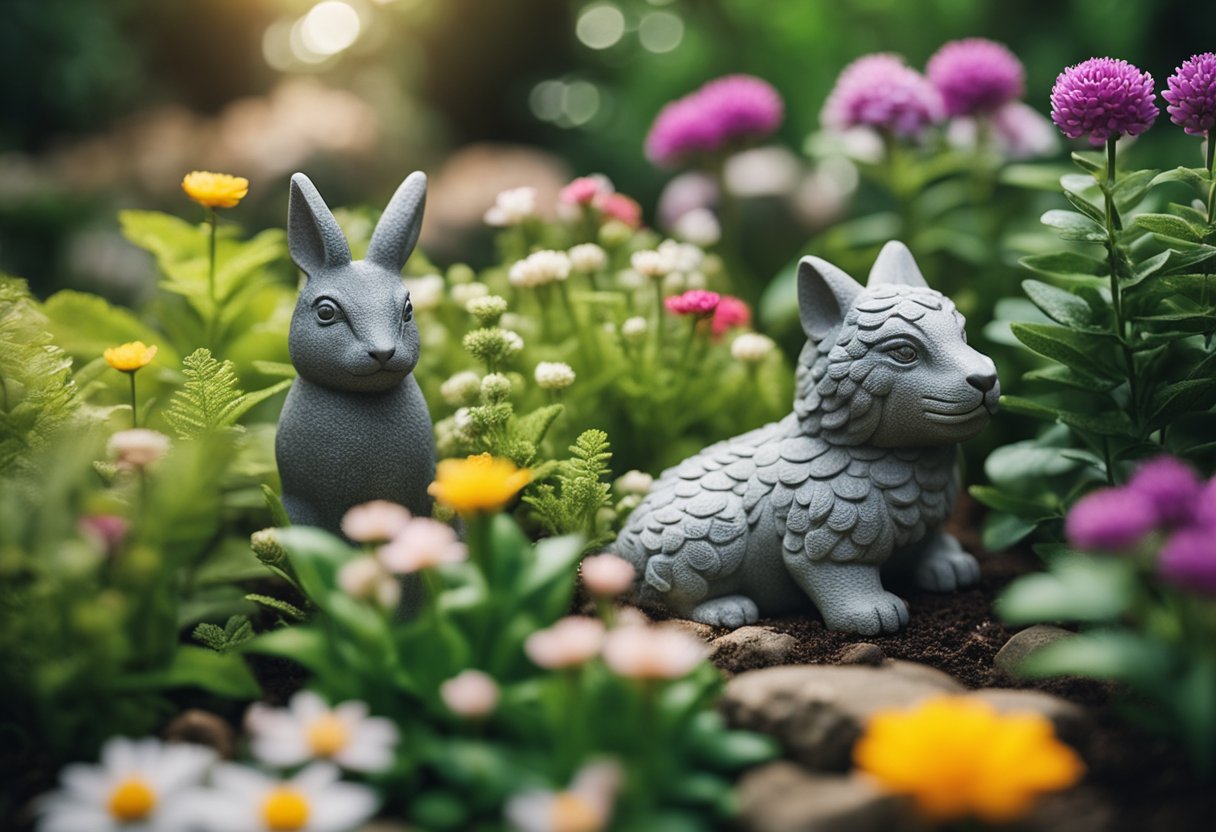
column 889, row 363
column 353, row 327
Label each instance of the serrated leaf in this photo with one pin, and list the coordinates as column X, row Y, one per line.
column 211, row 399
column 278, row 605
column 1074, row 226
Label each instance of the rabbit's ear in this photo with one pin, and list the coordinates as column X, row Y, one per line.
column 397, row 232
column 895, row 264
column 825, row 294
column 313, row 235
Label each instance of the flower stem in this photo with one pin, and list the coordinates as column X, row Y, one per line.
column 1113, row 225
column 1212, row 174
column 134, row 412
column 213, row 324
column 658, row 321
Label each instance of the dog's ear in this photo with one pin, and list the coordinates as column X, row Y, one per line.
column 895, row 264
column 825, row 294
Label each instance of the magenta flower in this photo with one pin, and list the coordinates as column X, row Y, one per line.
column 1102, row 99
column 696, row 302
column 880, row 91
column 1192, row 94
column 720, row 114
column 1170, row 486
column 108, row 531
column 1188, row 559
column 976, row 76
column 1110, row 519
column 730, row 312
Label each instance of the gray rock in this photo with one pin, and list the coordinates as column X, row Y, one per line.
column 694, row 628
column 1071, row 721
column 817, row 712
column 784, row 797
column 752, row 647
column 1021, row 644
column 862, row 653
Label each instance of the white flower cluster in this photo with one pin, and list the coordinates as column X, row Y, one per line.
column 699, row 227
column 426, row 293
column 650, row 263
column 462, row 293
column 751, row 347
column 587, row 258
column 634, row 329
column 539, row 268
column 554, row 375
column 511, row 207
column 461, row 388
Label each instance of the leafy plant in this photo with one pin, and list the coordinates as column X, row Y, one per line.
column 574, row 504
column 211, row 399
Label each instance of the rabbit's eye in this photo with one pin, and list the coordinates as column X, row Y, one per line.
column 407, row 313
column 326, row 311
column 903, row 354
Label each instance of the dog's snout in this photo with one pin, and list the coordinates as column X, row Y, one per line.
column 982, row 381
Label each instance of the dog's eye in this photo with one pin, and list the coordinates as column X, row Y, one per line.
column 904, row 354
column 407, row 313
column 326, row 311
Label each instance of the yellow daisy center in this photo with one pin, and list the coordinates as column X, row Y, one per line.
column 132, row 800
column 285, row 810
column 572, row 813
column 327, row 735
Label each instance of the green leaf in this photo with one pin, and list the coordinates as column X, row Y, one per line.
column 274, row 502
column 1090, row 162
column 211, row 399
column 1118, row 655
column 1017, row 462
column 1068, row 377
column 316, row 557
column 1132, row 187
column 1076, row 588
column 1001, row 531
column 1187, row 396
column 549, row 580
column 282, row 607
column 533, row 426
column 1028, row 407
column 1065, row 264
column 222, row 674
column 1088, row 352
column 301, row 644
column 1074, row 226
column 1195, row 177
column 1035, row 177
column 1098, row 215
column 85, row 325
column 1170, row 227
column 1002, row 500
column 1106, row 423
column 1061, row 306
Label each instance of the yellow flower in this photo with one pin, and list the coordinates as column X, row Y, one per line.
column 958, row 757
column 481, row 483
column 130, row 357
column 215, row 190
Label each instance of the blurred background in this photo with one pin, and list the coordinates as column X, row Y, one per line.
column 105, row 104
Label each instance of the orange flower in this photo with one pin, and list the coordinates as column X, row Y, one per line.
column 215, row 190
column 130, row 357
column 481, row 483
column 957, row 757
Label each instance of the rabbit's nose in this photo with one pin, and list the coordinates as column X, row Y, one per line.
column 382, row 355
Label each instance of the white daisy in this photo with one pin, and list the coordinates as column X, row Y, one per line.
column 584, row 807
column 139, row 785
column 315, row 800
column 308, row 729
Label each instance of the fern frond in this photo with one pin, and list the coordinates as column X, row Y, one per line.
column 235, row 632
column 211, row 399
column 287, row 610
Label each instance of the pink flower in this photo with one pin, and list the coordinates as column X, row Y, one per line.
column 730, row 312
column 1102, row 99
column 586, row 189
column 652, row 653
column 374, row 522
column 620, row 207
column 108, row 531
column 570, row 642
column 470, row 694
column 607, row 575
column 976, row 76
column 881, row 92
column 696, row 302
column 423, row 543
column 722, row 113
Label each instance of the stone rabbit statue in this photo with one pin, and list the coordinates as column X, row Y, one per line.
column 355, row 426
column 861, row 474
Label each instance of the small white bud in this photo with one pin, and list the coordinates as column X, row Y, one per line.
column 462, row 293
column 634, row 329
column 651, row 263
column 699, row 227
column 587, row 258
column 554, row 375
column 461, row 388
column 426, row 293
column 751, row 347
column 634, row 482
column 511, row 207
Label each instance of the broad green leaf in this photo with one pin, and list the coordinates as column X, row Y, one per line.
column 1058, row 304
column 1068, row 377
column 1076, row 588
column 1195, row 177
column 1132, row 187
column 316, row 556
column 85, row 325
column 1090, row 162
column 1002, row 500
column 1002, row 531
column 1170, row 227
column 1086, row 207
column 1066, row 264
column 1018, row 461
column 223, row 674
column 1117, row 655
column 1182, row 397
column 303, row 644
column 1106, row 423
column 1074, row 226
column 1032, row 177
column 1028, row 407
column 1090, row 353
column 549, row 580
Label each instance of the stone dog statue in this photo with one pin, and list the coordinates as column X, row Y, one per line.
column 861, row 474
column 355, row 426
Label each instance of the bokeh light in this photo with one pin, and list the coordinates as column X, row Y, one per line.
column 661, row 32
column 600, row 26
column 330, row 27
